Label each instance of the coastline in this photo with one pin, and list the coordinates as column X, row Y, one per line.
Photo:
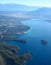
column 24, row 32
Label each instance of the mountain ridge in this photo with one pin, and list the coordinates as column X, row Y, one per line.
column 17, row 7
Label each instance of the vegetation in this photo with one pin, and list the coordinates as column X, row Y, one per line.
column 9, row 55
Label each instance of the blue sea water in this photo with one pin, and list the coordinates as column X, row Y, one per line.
column 40, row 30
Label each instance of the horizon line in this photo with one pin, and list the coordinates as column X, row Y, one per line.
column 26, row 4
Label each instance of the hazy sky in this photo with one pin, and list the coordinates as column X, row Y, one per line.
column 29, row 2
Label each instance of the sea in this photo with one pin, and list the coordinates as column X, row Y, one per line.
column 41, row 53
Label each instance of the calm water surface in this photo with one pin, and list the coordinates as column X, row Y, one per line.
column 41, row 54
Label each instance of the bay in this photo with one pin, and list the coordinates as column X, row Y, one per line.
column 40, row 30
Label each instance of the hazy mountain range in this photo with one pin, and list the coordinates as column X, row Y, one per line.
column 17, row 7
column 25, row 11
column 43, row 12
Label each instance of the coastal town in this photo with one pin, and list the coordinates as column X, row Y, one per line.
column 10, row 26
column 9, row 53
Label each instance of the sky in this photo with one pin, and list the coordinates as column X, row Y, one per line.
column 46, row 3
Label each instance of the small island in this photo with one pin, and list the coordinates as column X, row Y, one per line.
column 48, row 20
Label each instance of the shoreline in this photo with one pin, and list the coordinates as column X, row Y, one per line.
column 24, row 32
